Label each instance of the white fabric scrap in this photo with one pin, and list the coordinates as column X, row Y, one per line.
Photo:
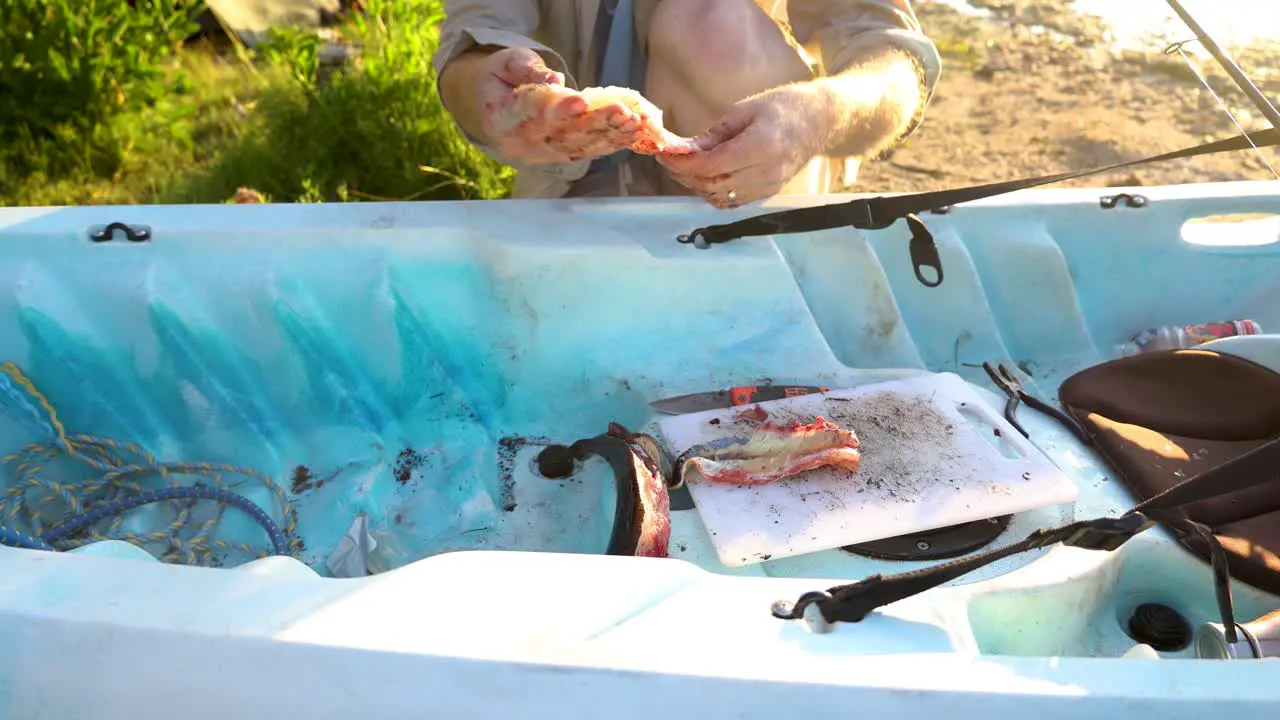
column 351, row 558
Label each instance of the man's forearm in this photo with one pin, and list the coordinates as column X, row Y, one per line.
column 871, row 104
column 458, row 82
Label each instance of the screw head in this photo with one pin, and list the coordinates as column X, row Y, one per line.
column 922, row 545
column 782, row 609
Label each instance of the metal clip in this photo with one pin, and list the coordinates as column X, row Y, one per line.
column 141, row 234
column 697, row 238
column 1109, row 533
column 1109, row 202
column 924, row 251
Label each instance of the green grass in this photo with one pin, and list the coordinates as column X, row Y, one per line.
column 208, row 124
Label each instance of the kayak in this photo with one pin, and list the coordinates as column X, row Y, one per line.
column 367, row 392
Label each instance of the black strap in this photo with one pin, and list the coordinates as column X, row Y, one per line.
column 620, row 448
column 878, row 213
column 1259, row 465
column 853, row 602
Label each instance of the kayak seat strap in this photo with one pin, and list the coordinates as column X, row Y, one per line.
column 1160, row 418
column 1193, row 434
column 637, row 462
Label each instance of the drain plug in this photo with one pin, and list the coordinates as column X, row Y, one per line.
column 1159, row 626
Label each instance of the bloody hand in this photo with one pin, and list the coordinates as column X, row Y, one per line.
column 533, row 118
column 759, row 145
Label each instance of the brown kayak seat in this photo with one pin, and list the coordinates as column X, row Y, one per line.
column 1161, row 418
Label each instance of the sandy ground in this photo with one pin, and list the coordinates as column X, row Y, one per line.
column 1015, row 102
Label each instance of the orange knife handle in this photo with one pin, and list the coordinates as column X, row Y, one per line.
column 747, row 394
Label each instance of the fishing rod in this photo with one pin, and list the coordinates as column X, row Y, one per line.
column 1237, row 75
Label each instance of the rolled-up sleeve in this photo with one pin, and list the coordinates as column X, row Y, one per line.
column 500, row 23
column 845, row 29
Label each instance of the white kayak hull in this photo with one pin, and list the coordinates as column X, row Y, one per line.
column 336, row 336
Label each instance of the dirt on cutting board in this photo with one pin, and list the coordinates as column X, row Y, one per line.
column 1016, row 100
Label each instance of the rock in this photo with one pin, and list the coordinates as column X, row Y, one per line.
column 250, row 19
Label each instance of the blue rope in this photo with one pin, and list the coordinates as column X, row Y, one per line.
column 13, row 538
column 117, row 490
column 75, row 522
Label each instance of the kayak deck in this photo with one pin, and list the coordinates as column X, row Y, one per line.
column 406, row 362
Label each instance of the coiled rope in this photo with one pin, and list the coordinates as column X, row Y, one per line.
column 92, row 509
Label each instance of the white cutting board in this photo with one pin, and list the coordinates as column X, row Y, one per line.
column 924, row 466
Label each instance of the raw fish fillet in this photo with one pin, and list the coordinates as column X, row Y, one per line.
column 541, row 99
column 774, row 452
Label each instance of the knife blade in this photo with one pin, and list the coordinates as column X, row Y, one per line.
column 732, row 397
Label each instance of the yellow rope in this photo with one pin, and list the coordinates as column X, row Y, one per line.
column 118, row 477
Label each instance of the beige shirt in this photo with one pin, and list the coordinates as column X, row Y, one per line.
column 829, row 31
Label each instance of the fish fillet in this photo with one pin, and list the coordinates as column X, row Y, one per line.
column 540, row 101
column 774, row 452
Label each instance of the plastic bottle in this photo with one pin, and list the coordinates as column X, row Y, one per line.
column 1175, row 337
column 389, row 554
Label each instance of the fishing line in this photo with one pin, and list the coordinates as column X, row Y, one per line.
column 1177, row 47
column 1229, row 66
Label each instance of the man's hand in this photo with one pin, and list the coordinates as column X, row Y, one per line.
column 759, row 145
column 545, row 122
column 762, row 142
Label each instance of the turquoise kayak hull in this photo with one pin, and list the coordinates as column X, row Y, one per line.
column 398, row 366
